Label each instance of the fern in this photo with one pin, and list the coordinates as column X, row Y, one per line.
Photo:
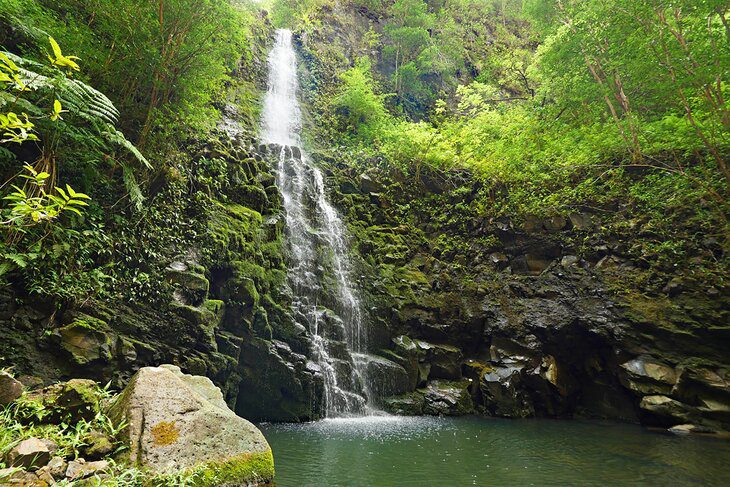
column 24, row 30
column 17, row 259
column 130, row 183
column 82, row 100
column 114, row 136
column 87, row 102
column 7, row 98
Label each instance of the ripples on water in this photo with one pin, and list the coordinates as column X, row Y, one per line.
column 428, row 451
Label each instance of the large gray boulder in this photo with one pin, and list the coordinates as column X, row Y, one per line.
column 177, row 421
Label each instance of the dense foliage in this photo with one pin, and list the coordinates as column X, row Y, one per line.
column 547, row 105
column 146, row 71
column 551, row 105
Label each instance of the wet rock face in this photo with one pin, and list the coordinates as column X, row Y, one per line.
column 385, row 377
column 444, row 398
column 278, row 384
column 548, row 315
column 406, row 405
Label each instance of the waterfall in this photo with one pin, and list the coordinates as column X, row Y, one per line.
column 325, row 300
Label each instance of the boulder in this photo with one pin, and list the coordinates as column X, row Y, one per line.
column 716, row 381
column 56, row 467
column 96, row 445
column 177, row 421
column 537, row 263
column 81, row 469
column 369, row 184
column 444, row 361
column 382, row 376
column 13, row 476
column 555, row 223
column 10, row 389
column 71, row 401
column 667, row 411
column 86, row 341
column 532, row 224
column 581, row 221
column 448, row 398
column 31, row 382
column 502, row 392
column 647, row 375
column 44, row 477
column 686, row 429
column 31, row 454
column 406, row 405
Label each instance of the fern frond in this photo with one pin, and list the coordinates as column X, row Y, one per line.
column 114, row 136
column 84, row 100
column 130, row 183
column 19, row 104
column 23, row 30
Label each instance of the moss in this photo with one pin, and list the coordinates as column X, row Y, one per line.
column 233, row 231
column 200, row 317
column 89, row 323
column 215, row 306
column 241, row 470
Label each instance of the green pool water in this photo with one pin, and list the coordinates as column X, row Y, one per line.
column 427, row 451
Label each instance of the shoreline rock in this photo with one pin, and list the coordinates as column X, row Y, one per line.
column 180, row 422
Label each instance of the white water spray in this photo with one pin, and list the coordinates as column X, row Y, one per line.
column 325, row 301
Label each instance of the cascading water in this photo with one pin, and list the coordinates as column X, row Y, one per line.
column 325, row 301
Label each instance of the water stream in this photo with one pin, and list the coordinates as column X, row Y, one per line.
column 325, row 299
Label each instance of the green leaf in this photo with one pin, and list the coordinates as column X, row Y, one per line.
column 63, row 193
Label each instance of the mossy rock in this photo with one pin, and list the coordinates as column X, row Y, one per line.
column 234, row 231
column 410, row 404
column 87, row 340
column 191, row 282
column 254, row 468
column 70, row 402
column 254, row 197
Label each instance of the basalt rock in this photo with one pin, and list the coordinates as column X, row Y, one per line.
column 445, row 398
column 551, row 316
column 384, row 377
column 81, row 469
column 87, row 340
column 277, row 383
column 410, row 404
